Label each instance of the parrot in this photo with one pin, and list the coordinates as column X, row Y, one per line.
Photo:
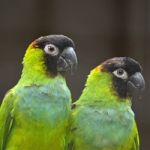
column 34, row 114
column 102, row 117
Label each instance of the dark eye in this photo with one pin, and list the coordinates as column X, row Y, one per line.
column 121, row 73
column 51, row 49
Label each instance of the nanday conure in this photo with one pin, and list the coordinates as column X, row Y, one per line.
column 34, row 114
column 102, row 118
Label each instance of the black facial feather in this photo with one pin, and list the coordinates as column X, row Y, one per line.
column 128, row 64
column 51, row 64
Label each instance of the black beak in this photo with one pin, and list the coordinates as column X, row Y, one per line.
column 136, row 85
column 67, row 61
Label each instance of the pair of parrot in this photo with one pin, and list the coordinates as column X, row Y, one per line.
column 36, row 114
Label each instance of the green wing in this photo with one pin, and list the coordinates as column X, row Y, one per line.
column 71, row 143
column 6, row 118
column 136, row 141
column 135, row 145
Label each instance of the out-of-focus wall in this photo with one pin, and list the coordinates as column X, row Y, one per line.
column 100, row 28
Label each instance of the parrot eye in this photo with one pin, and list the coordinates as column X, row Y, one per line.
column 121, row 73
column 51, row 49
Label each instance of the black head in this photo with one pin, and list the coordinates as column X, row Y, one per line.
column 127, row 75
column 59, row 53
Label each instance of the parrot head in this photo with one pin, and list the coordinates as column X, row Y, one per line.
column 56, row 52
column 126, row 75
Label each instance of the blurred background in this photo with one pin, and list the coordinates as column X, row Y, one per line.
column 101, row 29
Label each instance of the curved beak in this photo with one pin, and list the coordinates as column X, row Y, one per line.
column 136, row 85
column 67, row 61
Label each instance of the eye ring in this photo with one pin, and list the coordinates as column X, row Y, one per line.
column 121, row 73
column 51, row 50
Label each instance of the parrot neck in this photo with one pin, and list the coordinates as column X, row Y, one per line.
column 99, row 87
column 34, row 68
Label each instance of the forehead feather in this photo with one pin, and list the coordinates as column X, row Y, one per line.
column 127, row 63
column 60, row 41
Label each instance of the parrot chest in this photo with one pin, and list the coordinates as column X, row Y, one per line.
column 41, row 106
column 103, row 128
